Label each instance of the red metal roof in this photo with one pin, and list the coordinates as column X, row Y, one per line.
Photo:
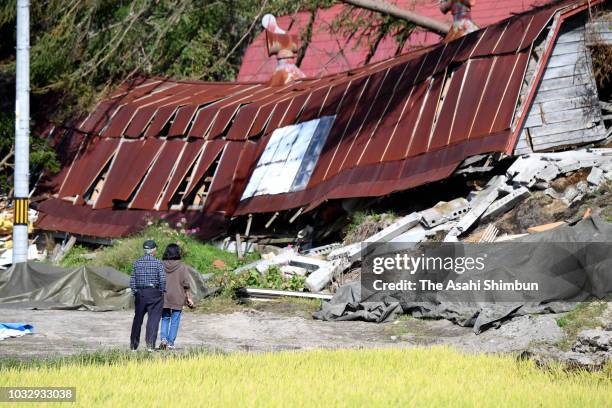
column 399, row 123
column 331, row 52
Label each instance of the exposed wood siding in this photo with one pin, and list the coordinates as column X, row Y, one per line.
column 565, row 110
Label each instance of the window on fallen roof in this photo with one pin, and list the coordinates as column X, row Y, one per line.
column 289, row 158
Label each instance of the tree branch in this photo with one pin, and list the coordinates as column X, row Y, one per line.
column 382, row 7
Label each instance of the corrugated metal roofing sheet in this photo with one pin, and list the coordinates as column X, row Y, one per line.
column 399, row 123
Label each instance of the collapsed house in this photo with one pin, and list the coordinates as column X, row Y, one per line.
column 209, row 152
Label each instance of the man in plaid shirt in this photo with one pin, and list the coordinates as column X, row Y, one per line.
column 148, row 284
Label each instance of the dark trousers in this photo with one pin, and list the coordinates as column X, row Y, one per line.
column 148, row 301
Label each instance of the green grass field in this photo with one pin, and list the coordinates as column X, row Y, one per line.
column 125, row 251
column 390, row 377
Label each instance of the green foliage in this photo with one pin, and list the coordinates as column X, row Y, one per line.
column 366, row 223
column 42, row 156
column 272, row 279
column 85, row 47
column 122, row 254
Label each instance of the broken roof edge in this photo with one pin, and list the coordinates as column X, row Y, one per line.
column 560, row 16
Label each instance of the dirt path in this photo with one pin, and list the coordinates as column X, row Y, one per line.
column 71, row 332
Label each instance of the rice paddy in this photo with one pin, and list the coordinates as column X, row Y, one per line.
column 437, row 376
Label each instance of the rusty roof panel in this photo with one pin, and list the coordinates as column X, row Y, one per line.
column 139, row 122
column 161, row 118
column 420, row 139
column 119, row 123
column 493, row 94
column 182, row 120
column 127, row 169
column 297, row 104
column 87, row 166
column 190, row 154
column 443, row 134
column 98, row 118
column 333, row 98
column 217, row 199
column 470, row 98
column 314, row 104
column 503, row 118
column 202, row 122
column 211, row 152
column 155, row 181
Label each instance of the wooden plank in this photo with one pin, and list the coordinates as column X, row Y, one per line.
column 561, row 127
column 565, row 93
column 585, row 114
column 564, row 60
column 564, row 82
column 568, row 48
column 576, row 136
column 568, row 104
column 575, row 35
column 579, row 70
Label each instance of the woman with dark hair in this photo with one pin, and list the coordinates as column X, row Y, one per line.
column 177, row 294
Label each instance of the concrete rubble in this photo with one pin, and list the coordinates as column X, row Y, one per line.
column 456, row 217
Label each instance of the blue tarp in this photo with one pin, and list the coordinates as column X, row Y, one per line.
column 17, row 326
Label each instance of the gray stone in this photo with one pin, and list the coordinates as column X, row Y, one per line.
column 582, row 360
column 593, row 341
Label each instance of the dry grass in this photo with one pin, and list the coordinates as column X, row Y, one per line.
column 390, row 377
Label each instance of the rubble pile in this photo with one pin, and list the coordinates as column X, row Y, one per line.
column 453, row 219
column 6, row 231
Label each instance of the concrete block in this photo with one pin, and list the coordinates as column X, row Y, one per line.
column 525, row 167
column 506, row 203
column 607, row 166
column 420, row 233
column 444, row 212
column 307, row 262
column 263, row 264
column 321, row 250
column 316, row 281
column 346, row 252
column 596, row 176
column 290, row 270
column 548, row 173
column 320, row 278
column 479, row 205
column 398, row 227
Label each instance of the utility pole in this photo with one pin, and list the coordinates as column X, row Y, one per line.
column 22, row 135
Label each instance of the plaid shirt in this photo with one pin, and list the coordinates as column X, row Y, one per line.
column 148, row 270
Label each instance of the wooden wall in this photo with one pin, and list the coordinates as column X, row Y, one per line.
column 565, row 110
